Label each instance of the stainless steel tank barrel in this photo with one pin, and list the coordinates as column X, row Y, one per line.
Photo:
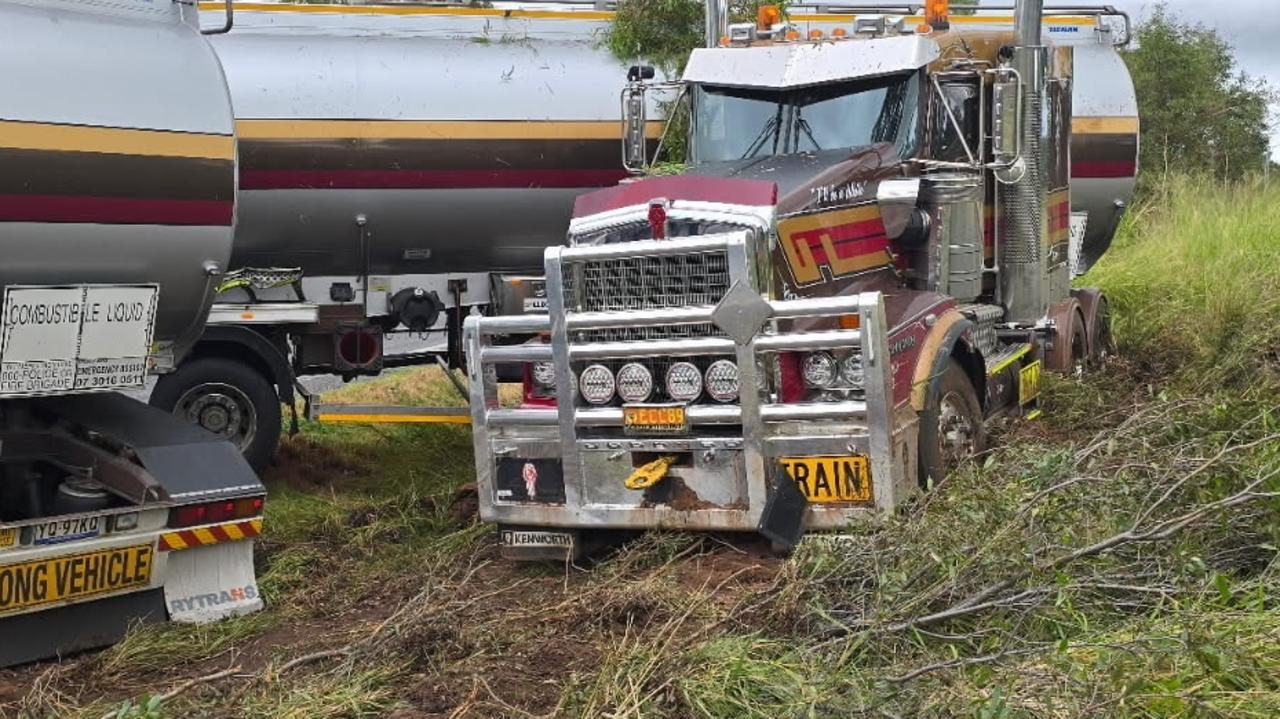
column 117, row 162
column 462, row 137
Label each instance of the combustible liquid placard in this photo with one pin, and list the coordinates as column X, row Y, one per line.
column 79, row 338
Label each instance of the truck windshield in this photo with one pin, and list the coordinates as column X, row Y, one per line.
column 737, row 123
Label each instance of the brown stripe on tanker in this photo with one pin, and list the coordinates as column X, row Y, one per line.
column 424, row 154
column 108, row 175
column 1104, row 147
column 94, row 174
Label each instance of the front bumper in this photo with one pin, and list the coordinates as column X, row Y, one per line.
column 731, row 457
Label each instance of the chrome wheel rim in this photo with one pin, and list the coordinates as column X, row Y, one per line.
column 957, row 436
column 221, row 409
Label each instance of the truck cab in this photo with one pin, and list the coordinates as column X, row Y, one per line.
column 866, row 260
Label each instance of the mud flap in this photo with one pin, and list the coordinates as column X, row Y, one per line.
column 783, row 519
column 205, row 584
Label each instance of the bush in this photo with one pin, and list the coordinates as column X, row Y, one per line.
column 1194, row 281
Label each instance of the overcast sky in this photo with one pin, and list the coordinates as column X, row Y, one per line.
column 1251, row 26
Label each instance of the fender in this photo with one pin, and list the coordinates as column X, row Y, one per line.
column 262, row 349
column 949, row 336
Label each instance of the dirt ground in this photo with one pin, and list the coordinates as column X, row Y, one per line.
column 494, row 638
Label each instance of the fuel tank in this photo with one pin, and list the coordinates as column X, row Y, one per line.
column 458, row 136
column 117, row 152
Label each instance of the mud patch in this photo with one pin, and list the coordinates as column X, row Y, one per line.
column 303, row 464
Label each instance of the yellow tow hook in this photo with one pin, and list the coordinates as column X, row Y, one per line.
column 650, row 474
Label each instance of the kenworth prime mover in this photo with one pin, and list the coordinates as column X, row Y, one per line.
column 868, row 258
column 117, row 204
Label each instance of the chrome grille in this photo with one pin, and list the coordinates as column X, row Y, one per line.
column 640, row 283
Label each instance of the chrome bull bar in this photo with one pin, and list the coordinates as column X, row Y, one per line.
column 770, row 429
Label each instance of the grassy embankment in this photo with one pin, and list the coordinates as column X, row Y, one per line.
column 1116, row 559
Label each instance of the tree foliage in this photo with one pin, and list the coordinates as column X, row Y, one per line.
column 664, row 32
column 1199, row 112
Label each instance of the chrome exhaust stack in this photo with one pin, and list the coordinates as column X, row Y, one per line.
column 1024, row 188
column 717, row 21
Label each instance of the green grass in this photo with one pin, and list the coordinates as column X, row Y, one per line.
column 1194, row 281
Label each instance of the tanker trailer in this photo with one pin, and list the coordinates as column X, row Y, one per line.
column 117, row 181
column 400, row 167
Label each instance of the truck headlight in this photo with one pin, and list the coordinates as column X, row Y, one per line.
column 722, row 381
column 819, row 370
column 596, row 384
column 852, row 372
column 544, row 374
column 684, row 382
column 635, row 382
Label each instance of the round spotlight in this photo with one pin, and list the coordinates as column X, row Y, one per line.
column 684, row 382
column 596, row 384
column 635, row 382
column 544, row 374
column 722, row 381
column 819, row 370
column 852, row 372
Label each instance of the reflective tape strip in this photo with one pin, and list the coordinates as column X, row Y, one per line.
column 213, row 534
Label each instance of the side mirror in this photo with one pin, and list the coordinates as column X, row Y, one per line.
column 635, row 156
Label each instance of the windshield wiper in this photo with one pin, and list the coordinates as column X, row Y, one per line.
column 803, row 124
column 770, row 127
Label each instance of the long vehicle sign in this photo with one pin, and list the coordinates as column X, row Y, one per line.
column 75, row 576
column 75, row 338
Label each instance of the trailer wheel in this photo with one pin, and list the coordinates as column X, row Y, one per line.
column 951, row 426
column 228, row 398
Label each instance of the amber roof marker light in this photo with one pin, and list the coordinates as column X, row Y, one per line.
column 767, row 16
column 937, row 14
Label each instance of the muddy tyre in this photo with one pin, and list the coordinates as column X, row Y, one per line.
column 227, row 398
column 1101, row 342
column 951, row 426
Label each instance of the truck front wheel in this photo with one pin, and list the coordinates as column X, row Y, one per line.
column 951, row 426
column 227, row 398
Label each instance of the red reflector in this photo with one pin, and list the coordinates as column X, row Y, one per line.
column 792, row 382
column 220, row 511
column 187, row 516
column 658, row 219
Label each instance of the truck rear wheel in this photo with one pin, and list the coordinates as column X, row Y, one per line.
column 951, row 426
column 227, row 398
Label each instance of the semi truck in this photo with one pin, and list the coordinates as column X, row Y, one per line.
column 867, row 260
column 400, row 165
column 117, row 208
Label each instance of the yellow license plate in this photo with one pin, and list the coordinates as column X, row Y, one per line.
column 8, row 538
column 831, row 479
column 655, row 419
column 74, row 576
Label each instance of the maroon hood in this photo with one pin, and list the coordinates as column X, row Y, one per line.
column 678, row 187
